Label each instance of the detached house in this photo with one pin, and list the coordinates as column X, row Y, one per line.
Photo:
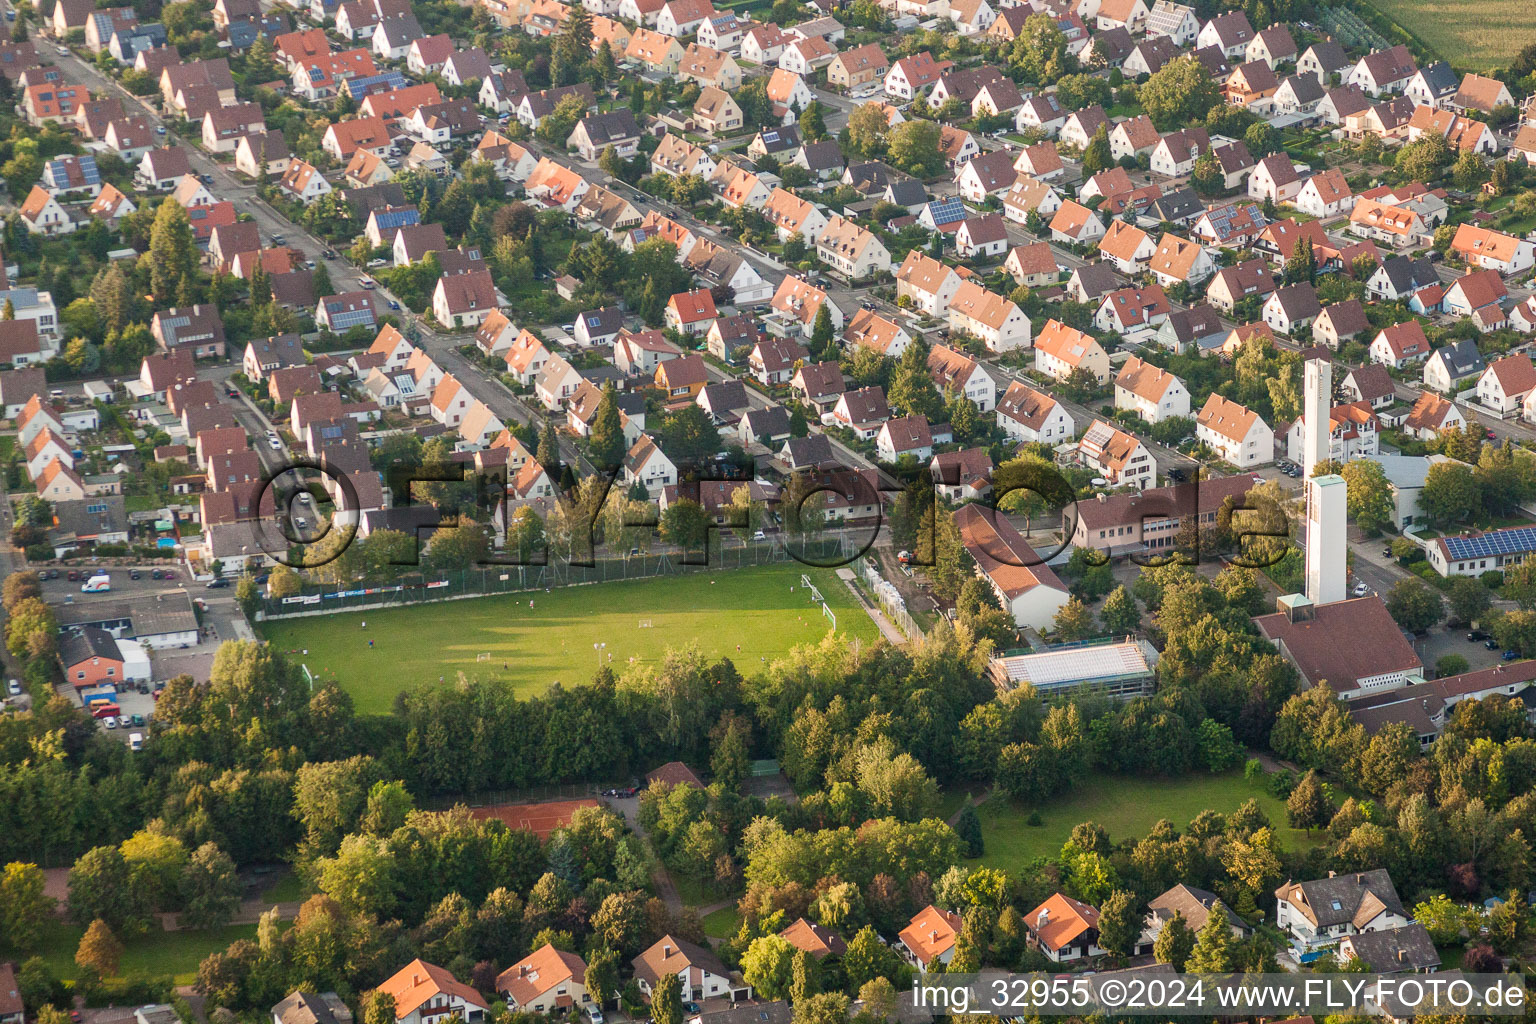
column 1027, row 415
column 1150, row 392
column 1059, row 350
column 929, row 937
column 1320, row 911
column 1237, row 434
column 1399, row 345
column 1064, row 929
column 1505, row 384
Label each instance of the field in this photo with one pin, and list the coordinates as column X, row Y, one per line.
column 1127, row 807
column 1471, row 34
column 749, row 615
column 152, row 955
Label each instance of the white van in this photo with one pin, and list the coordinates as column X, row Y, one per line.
column 136, row 741
column 98, row 584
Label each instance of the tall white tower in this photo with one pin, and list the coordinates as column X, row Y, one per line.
column 1327, row 508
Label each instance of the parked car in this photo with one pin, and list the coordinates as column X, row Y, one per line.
column 110, row 722
column 122, row 721
column 133, row 574
column 1476, row 635
column 1510, row 655
column 138, row 720
column 394, row 305
column 218, row 584
column 1361, row 590
column 376, row 262
column 14, row 688
column 1492, row 645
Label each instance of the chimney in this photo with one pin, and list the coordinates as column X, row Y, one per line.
column 1043, row 917
column 1332, row 873
column 1102, row 497
column 522, row 972
column 1359, row 879
column 666, row 950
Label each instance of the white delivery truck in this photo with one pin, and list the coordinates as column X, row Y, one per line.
column 98, row 584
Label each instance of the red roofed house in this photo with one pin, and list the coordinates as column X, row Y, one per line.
column 1504, row 385
column 1028, row 588
column 930, row 936
column 1064, row 929
column 692, row 312
column 546, row 981
column 425, row 993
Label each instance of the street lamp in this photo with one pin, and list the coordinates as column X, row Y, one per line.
column 598, row 649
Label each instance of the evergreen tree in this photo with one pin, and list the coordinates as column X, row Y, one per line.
column 548, row 453
column 1097, row 156
column 1308, row 805
column 607, row 440
column 968, row 828
column 812, row 126
column 1119, row 923
column 1215, row 951
column 261, row 286
column 172, row 253
column 1174, row 943
column 821, row 333
column 1120, row 614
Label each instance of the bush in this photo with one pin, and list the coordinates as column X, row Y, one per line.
column 1493, row 579
column 1450, row 665
column 39, row 552
column 1034, row 820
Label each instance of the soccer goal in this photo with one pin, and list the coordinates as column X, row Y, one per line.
column 830, row 615
column 483, row 656
column 645, row 623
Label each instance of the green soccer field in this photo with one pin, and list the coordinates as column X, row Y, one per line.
column 748, row 615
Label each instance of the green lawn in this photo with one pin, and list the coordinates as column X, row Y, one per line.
column 749, row 615
column 1126, row 807
column 723, row 923
column 152, row 955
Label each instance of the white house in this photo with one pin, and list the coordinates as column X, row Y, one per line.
column 1236, row 433
column 1150, row 392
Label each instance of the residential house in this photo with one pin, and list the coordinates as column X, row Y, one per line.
column 1060, row 350
column 1150, row 392
column 1399, row 345
column 1237, row 434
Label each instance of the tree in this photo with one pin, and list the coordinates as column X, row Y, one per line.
column 548, row 453
column 913, row 146
column 824, row 1008
column 812, row 125
column 603, row 975
column 1214, row 951
column 1180, row 93
column 24, row 905
column 1120, row 614
column 968, row 828
column 1119, row 923
column 1519, row 585
column 1097, row 156
column 1414, row 606
column 1308, row 806
column 607, row 439
column 172, row 254
column 821, row 332
column 685, row 524
column 912, row 388
column 1219, row 751
column 99, row 950
column 100, row 889
column 867, row 129
column 1450, row 494
column 1370, row 502
column 768, row 964
column 211, row 889
column 1470, row 599
column 868, row 958
column 805, row 979
column 667, row 1000
column 1074, row 621
column 1207, row 178
column 1174, row 943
